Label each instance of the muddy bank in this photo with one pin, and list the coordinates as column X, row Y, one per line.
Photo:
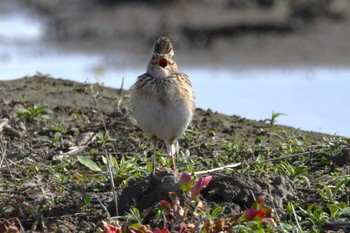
column 48, row 125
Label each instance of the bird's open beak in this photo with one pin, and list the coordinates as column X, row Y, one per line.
column 163, row 62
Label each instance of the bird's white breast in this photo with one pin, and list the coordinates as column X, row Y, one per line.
column 164, row 116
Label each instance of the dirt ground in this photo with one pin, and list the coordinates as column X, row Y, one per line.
column 43, row 119
column 84, row 109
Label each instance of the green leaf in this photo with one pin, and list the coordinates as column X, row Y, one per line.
column 299, row 170
column 114, row 161
column 135, row 225
column 260, row 159
column 104, row 159
column 257, row 141
column 89, row 164
column 277, row 114
column 57, row 136
column 8, row 209
column 341, row 184
column 218, row 210
column 333, row 209
column 45, row 117
column 344, row 212
column 87, row 199
column 22, row 111
column 136, row 213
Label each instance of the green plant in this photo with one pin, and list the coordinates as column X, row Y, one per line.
column 272, row 121
column 260, row 163
column 334, row 187
column 290, row 207
column 293, row 173
column 55, row 141
column 104, row 139
column 190, row 134
column 212, row 215
column 35, row 113
column 337, row 212
column 43, row 75
column 232, row 147
column 133, row 217
column 86, row 201
column 315, row 217
column 63, row 128
column 290, row 142
column 121, row 170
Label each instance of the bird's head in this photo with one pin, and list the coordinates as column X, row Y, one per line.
column 162, row 63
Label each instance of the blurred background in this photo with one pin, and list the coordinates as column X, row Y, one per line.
column 245, row 57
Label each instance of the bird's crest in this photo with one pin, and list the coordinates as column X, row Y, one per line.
column 163, row 45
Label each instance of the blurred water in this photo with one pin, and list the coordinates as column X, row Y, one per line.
column 314, row 98
column 19, row 27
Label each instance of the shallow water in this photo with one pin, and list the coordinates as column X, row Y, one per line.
column 314, row 98
column 19, row 27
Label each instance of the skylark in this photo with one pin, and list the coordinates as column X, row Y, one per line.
column 162, row 99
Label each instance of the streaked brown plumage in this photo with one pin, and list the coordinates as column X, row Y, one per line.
column 162, row 99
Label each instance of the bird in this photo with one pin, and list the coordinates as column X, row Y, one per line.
column 162, row 100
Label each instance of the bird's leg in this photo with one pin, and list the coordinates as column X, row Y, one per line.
column 171, row 151
column 177, row 147
column 173, row 166
column 154, row 142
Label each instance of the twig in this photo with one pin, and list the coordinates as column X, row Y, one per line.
column 74, row 150
column 264, row 161
column 120, row 92
column 3, row 149
column 218, row 168
column 115, row 195
column 103, row 206
column 20, row 224
column 296, row 219
column 97, row 104
column 83, row 140
column 291, row 156
column 101, row 96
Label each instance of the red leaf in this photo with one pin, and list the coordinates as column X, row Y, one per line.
column 200, row 184
column 165, row 204
column 261, row 199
